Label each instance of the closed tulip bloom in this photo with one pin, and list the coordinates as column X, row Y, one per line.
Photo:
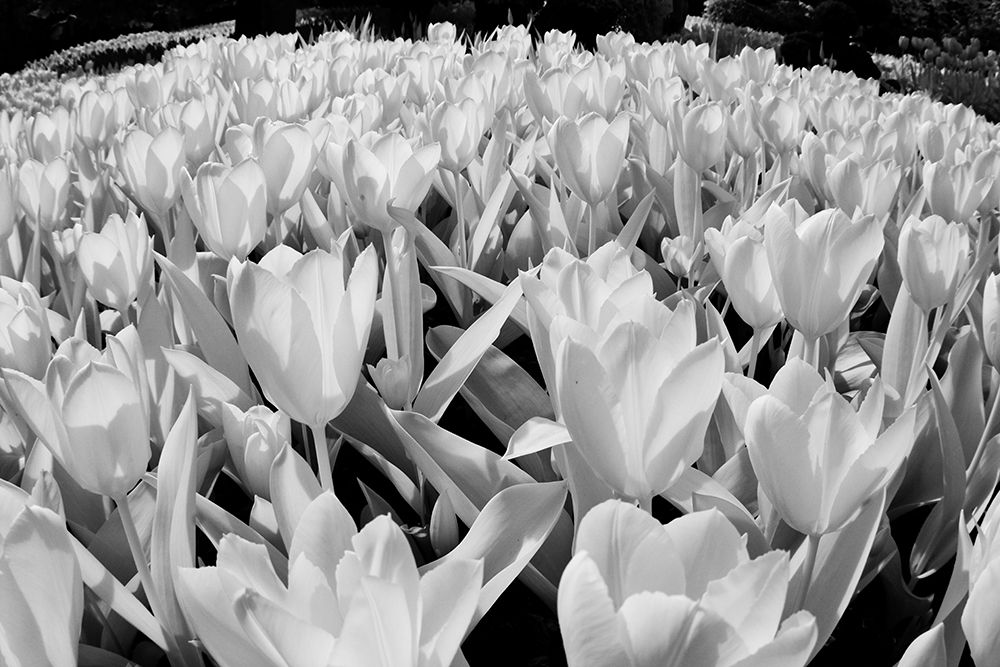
column 981, row 617
column 388, row 170
column 687, row 594
column 43, row 192
column 228, row 205
column 117, row 263
column 820, row 266
column 701, row 136
column 287, row 154
column 42, row 588
column 93, row 420
column 817, row 459
column 255, row 438
column 152, row 167
column 637, row 401
column 25, row 344
column 589, row 154
column 49, row 135
column 954, row 191
column 457, row 129
column 933, row 258
column 780, row 122
column 96, row 118
column 740, row 259
column 352, row 598
column 304, row 330
column 442, row 33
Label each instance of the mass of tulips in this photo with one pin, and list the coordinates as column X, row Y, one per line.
column 313, row 353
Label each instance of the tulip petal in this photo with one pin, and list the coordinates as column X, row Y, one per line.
column 449, row 595
column 378, row 630
column 708, row 545
column 587, row 617
column 670, row 631
column 322, row 534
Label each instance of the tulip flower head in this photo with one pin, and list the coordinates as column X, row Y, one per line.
column 740, row 259
column 933, row 258
column 701, row 136
column 91, row 412
column 355, row 598
column 228, row 205
column 590, row 153
column 817, row 459
column 255, row 438
column 638, row 594
column 117, row 263
column 151, row 168
column 387, row 170
column 25, row 344
column 820, row 266
column 457, row 130
column 44, row 192
column 303, row 329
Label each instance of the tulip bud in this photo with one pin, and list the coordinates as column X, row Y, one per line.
column 590, row 153
column 442, row 33
column 933, row 258
column 228, row 206
column 255, row 438
column 43, row 192
column 389, row 170
column 151, row 168
column 817, row 459
column 456, row 128
column 117, row 263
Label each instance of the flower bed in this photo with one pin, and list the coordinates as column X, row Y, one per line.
column 394, row 352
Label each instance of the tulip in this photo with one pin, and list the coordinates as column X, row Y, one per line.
column 871, row 189
column 304, row 330
column 96, row 118
column 589, row 154
column 151, row 168
column 352, row 598
column 933, row 258
column 255, row 438
column 980, row 620
column 442, row 33
column 49, row 136
column 780, row 122
column 198, row 120
column 991, row 319
column 739, row 257
column 820, row 266
column 228, row 205
column 42, row 589
column 636, row 401
column 388, row 170
column 117, row 263
column 91, row 417
column 286, row 152
column 25, row 344
column 43, row 192
column 457, row 130
column 954, row 192
column 817, row 459
column 638, row 594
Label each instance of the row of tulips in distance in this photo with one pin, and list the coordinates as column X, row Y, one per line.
column 199, row 253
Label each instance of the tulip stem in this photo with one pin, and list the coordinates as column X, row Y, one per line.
column 463, row 254
column 754, row 353
column 591, row 232
column 323, row 457
column 812, row 546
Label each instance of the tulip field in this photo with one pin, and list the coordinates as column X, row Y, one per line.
column 365, row 352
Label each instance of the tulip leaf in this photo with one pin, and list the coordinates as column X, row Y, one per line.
column 629, row 235
column 962, row 388
column 840, row 561
column 366, row 421
column 216, row 340
column 536, row 435
column 905, row 345
column 471, row 475
column 458, row 363
column 935, row 544
column 508, row 532
column 487, row 288
column 211, row 388
column 172, row 541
